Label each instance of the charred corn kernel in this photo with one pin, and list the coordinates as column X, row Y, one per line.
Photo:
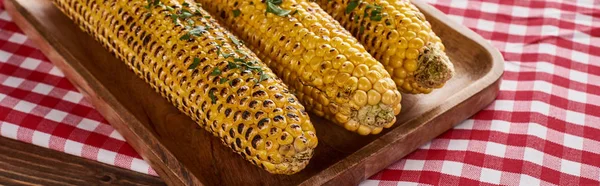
column 183, row 58
column 334, row 69
column 394, row 32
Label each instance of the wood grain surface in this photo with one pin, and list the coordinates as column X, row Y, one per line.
column 184, row 154
column 26, row 164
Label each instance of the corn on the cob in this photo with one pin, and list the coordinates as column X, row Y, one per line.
column 397, row 34
column 204, row 71
column 330, row 71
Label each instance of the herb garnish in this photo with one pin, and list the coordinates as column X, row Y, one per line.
column 236, row 13
column 376, row 13
column 216, row 71
column 195, row 63
column 184, row 17
column 273, row 6
column 373, row 12
column 352, row 5
column 212, row 97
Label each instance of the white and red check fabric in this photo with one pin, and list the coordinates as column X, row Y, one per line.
column 544, row 128
column 39, row 105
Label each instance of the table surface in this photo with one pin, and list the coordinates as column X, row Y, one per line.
column 544, row 128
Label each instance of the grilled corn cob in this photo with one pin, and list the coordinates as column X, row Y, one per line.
column 330, row 71
column 397, row 34
column 207, row 73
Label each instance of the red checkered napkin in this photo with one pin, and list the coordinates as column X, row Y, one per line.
column 39, row 105
column 544, row 129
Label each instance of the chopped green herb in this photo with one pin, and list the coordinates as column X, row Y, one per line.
column 231, row 65
column 191, row 22
column 235, row 41
column 185, row 15
column 239, row 60
column 236, row 13
column 197, row 31
column 376, row 13
column 185, row 4
column 352, row 5
column 216, row 71
column 263, row 77
column 174, row 17
column 223, row 80
column 228, row 55
column 207, row 17
column 362, row 29
column 185, row 37
column 366, row 12
column 195, row 63
column 149, row 4
column 273, row 7
column 294, row 12
column 213, row 98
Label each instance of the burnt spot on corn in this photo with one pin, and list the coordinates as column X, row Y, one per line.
column 255, row 141
column 246, row 115
column 238, row 142
column 242, row 90
column 253, row 104
column 263, row 122
column 268, row 103
column 259, row 93
column 259, row 114
column 284, row 136
column 274, row 131
column 231, row 132
column 278, row 95
column 248, row 132
column 278, row 118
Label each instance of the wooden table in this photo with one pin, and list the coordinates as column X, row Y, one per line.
column 26, row 164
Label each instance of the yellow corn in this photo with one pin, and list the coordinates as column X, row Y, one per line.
column 397, row 34
column 330, row 71
column 206, row 73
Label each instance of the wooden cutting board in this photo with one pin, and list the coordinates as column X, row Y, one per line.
column 184, row 154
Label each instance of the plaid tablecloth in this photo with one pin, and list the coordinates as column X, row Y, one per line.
column 544, row 128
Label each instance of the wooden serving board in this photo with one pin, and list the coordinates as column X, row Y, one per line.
column 184, row 154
